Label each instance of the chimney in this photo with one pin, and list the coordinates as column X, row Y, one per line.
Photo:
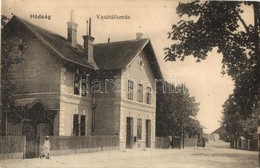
column 72, row 30
column 139, row 35
column 89, row 44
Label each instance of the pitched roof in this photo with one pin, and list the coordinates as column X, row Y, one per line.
column 29, row 102
column 107, row 56
column 117, row 55
column 202, row 126
column 220, row 129
column 57, row 43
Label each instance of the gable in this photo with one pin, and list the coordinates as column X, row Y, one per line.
column 119, row 55
column 58, row 44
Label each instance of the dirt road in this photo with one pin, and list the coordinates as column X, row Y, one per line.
column 217, row 156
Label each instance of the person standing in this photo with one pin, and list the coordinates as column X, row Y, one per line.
column 171, row 141
column 46, row 147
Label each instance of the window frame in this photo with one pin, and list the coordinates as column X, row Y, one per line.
column 130, row 90
column 76, row 83
column 75, row 125
column 140, row 93
column 79, row 125
column 149, row 95
column 82, row 125
column 139, row 128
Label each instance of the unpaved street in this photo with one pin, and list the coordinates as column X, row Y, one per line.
column 213, row 156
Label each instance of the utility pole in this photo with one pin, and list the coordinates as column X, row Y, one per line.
column 182, row 119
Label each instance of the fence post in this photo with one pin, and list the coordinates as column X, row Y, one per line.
column 39, row 145
column 76, row 143
column 111, row 143
column 101, row 143
column 24, row 146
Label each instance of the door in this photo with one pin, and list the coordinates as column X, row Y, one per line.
column 32, row 144
column 148, row 134
column 129, row 132
column 32, row 147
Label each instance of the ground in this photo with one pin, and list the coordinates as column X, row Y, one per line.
column 215, row 155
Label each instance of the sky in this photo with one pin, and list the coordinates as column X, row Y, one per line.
column 154, row 19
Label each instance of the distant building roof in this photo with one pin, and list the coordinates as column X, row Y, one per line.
column 219, row 130
column 202, row 126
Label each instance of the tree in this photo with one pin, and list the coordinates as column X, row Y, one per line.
column 4, row 20
column 220, row 24
column 10, row 56
column 237, row 124
column 175, row 111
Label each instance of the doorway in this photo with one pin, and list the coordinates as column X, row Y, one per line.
column 129, row 132
column 148, row 134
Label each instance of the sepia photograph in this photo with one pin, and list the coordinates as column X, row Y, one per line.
column 130, row 84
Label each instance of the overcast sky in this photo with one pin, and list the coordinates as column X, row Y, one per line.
column 152, row 18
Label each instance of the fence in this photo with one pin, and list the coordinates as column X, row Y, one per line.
column 12, row 147
column 164, row 142
column 190, row 142
column 244, row 144
column 81, row 144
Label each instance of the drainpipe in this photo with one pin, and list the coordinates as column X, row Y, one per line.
column 93, row 113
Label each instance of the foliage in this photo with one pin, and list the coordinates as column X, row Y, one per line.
column 221, row 24
column 176, row 109
column 237, row 124
column 4, row 20
column 10, row 56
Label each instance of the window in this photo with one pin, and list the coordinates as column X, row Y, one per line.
column 140, row 93
column 79, row 125
column 76, row 83
column 81, row 85
column 76, row 124
column 130, row 90
column 139, row 128
column 84, row 85
column 149, row 96
column 82, row 125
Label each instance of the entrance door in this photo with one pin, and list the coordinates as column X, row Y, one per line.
column 32, row 142
column 32, row 147
column 129, row 132
column 148, row 134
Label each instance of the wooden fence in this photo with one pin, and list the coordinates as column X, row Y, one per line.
column 244, row 144
column 190, row 142
column 164, row 142
column 81, row 144
column 12, row 147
